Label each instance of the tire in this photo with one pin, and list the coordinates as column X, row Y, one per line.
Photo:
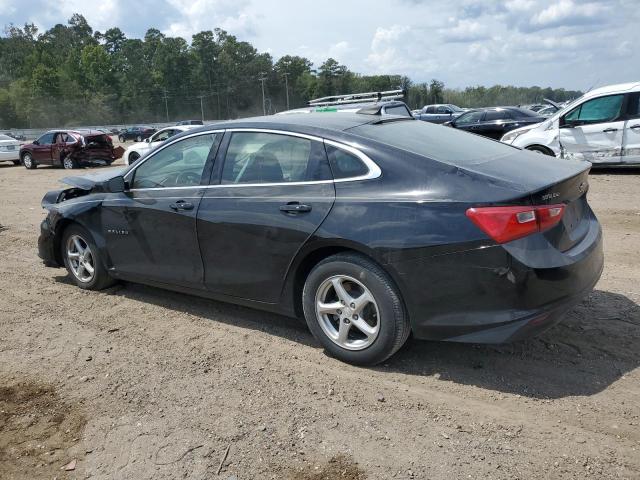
column 138, row 139
column 133, row 158
column 540, row 149
column 28, row 161
column 121, row 139
column 76, row 241
column 383, row 317
column 16, row 162
column 69, row 163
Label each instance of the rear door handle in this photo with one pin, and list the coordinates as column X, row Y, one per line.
column 634, row 126
column 295, row 207
column 181, row 205
column 609, row 130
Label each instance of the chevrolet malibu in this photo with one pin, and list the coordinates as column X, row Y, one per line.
column 371, row 227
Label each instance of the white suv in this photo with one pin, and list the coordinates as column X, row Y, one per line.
column 602, row 126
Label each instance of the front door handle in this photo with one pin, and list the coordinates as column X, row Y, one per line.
column 634, row 127
column 295, row 207
column 181, row 205
column 609, row 130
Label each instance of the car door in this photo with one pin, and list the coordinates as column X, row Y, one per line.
column 469, row 121
column 631, row 135
column 273, row 190
column 593, row 130
column 496, row 123
column 150, row 229
column 443, row 114
column 42, row 150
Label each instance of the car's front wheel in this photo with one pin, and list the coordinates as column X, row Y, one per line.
column 82, row 259
column 28, row 161
column 133, row 158
column 138, row 138
column 354, row 309
column 121, row 139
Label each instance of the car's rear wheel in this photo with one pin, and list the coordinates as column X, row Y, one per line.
column 354, row 309
column 82, row 259
column 540, row 149
column 69, row 163
column 28, row 161
column 121, row 138
column 138, row 138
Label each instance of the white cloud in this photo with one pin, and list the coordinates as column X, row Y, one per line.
column 197, row 15
column 399, row 49
column 465, row 31
column 568, row 12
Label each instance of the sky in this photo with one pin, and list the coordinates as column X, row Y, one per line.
column 574, row 44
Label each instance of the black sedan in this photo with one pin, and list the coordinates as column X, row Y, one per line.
column 496, row 121
column 369, row 226
column 136, row 133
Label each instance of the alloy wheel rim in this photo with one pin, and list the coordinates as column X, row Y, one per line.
column 68, row 163
column 27, row 161
column 347, row 312
column 80, row 258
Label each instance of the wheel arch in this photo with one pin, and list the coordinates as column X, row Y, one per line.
column 309, row 257
column 543, row 148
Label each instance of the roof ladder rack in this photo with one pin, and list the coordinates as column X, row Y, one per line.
column 384, row 96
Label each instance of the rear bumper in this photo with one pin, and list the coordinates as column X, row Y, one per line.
column 486, row 295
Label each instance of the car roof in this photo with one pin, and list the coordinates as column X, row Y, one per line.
column 617, row 88
column 334, row 121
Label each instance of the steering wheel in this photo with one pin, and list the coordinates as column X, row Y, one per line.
column 188, row 178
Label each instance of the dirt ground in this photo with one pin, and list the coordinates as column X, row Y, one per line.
column 139, row 383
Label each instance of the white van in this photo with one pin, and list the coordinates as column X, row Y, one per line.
column 602, row 126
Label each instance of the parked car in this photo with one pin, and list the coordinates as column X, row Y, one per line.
column 190, row 122
column 16, row 136
column 137, row 150
column 602, row 126
column 494, row 122
column 135, row 133
column 370, row 227
column 439, row 113
column 9, row 149
column 70, row 149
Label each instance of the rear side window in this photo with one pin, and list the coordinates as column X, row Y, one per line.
column 493, row 115
column 471, row 117
column 256, row 157
column 344, row 164
column 444, row 110
column 598, row 110
column 398, row 110
column 431, row 110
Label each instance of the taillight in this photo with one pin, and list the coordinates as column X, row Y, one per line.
column 505, row 224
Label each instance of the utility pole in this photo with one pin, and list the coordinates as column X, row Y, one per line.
column 201, row 107
column 286, row 86
column 264, row 107
column 166, row 105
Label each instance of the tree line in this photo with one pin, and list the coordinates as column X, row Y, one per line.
column 72, row 75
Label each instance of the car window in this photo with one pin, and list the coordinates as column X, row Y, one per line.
column 46, row 139
column 398, row 110
column 344, row 164
column 443, row 110
column 597, row 110
column 471, row 117
column 493, row 115
column 180, row 164
column 67, row 138
column 431, row 109
column 254, row 157
column 163, row 135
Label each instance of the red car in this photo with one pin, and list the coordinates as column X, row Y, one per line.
column 70, row 149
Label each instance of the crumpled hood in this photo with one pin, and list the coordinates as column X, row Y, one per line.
column 88, row 182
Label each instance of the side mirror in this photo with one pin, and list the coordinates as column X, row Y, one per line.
column 116, row 184
column 147, row 140
column 36, row 142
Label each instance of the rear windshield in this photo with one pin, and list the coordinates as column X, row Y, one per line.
column 437, row 142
